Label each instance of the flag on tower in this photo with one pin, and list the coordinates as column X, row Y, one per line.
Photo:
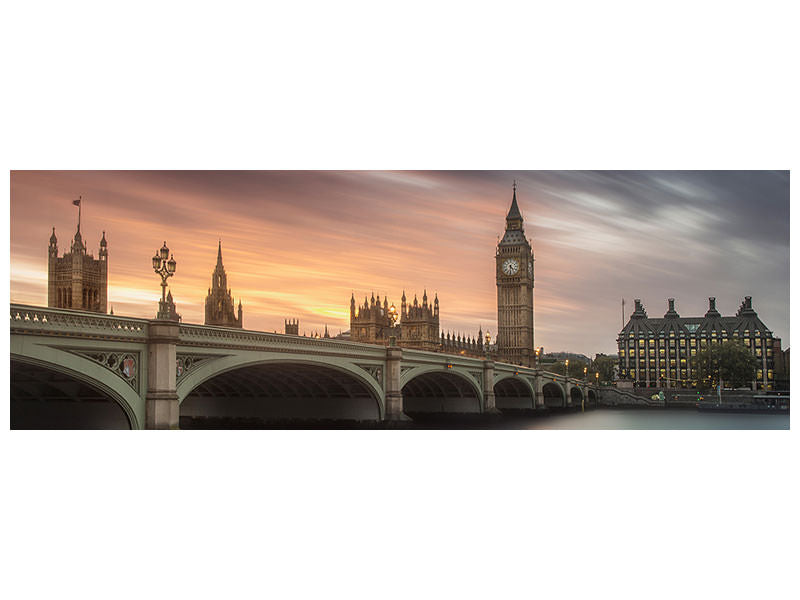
column 77, row 202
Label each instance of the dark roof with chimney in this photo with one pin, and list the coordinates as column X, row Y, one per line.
column 746, row 319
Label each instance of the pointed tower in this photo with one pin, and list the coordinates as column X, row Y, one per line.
column 77, row 280
column 514, row 276
column 219, row 302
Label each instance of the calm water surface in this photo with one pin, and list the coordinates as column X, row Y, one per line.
column 658, row 419
column 604, row 418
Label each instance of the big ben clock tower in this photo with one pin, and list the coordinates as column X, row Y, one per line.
column 515, row 292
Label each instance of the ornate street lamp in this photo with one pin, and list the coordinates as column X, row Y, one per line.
column 164, row 265
column 566, row 368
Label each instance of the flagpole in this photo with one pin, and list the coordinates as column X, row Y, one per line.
column 79, row 212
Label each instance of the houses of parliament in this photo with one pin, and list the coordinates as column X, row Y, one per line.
column 375, row 322
column 79, row 281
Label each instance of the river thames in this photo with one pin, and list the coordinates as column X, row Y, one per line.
column 599, row 419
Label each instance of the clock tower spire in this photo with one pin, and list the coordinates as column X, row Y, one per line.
column 514, row 274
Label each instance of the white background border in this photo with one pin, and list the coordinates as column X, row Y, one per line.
column 413, row 514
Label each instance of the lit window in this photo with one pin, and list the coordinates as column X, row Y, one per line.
column 630, row 352
column 758, row 342
column 661, row 352
column 652, row 352
column 758, row 352
column 672, row 363
column 693, row 342
column 683, row 343
column 694, row 351
column 652, row 342
column 671, row 334
column 683, row 362
column 641, row 343
column 769, row 373
column 759, row 374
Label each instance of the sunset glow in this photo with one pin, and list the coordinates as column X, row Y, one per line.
column 297, row 244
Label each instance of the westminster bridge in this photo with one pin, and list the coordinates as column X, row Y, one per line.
column 78, row 369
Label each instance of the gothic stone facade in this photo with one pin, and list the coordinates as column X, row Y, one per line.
column 657, row 352
column 77, row 280
column 374, row 322
column 219, row 302
column 514, row 275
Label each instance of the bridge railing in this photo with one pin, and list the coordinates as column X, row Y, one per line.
column 59, row 321
column 228, row 336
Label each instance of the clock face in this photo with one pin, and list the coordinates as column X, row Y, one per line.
column 510, row 266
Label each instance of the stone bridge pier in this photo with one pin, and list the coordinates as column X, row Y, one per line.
column 162, row 410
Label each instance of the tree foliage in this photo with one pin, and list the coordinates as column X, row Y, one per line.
column 731, row 362
column 604, row 365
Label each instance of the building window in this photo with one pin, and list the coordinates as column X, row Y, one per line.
column 694, row 351
column 641, row 343
column 769, row 373
column 693, row 342
column 630, row 352
column 758, row 352
column 661, row 352
column 758, row 342
column 759, row 374
column 672, row 363
column 652, row 352
column 652, row 342
column 683, row 343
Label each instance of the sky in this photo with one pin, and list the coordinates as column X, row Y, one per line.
column 296, row 244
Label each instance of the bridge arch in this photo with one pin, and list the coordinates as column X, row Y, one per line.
column 575, row 395
column 110, row 403
column 553, row 394
column 591, row 397
column 513, row 393
column 236, row 387
column 437, row 390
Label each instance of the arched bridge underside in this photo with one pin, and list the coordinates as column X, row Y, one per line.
column 440, row 393
column 553, row 395
column 71, row 369
column 44, row 398
column 513, row 394
column 282, row 391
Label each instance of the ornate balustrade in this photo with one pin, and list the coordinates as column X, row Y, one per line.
column 73, row 323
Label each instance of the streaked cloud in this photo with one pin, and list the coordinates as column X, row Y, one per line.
column 297, row 244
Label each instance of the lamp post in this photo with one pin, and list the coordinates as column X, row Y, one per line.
column 164, row 265
column 584, row 371
column 566, row 367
